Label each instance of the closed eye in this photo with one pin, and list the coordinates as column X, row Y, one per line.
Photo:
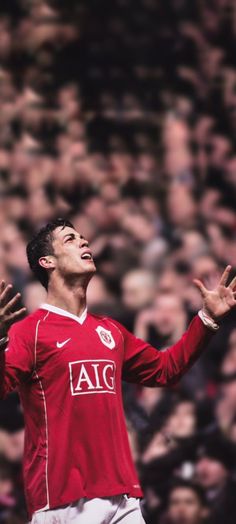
column 70, row 237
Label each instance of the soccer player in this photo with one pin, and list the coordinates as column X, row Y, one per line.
column 67, row 366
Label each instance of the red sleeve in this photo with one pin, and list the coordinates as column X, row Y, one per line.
column 16, row 362
column 146, row 365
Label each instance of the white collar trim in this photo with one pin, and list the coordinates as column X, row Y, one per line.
column 59, row 311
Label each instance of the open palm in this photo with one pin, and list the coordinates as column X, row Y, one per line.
column 219, row 301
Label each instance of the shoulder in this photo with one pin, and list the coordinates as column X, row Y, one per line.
column 27, row 326
column 109, row 323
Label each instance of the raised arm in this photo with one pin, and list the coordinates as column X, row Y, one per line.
column 146, row 365
column 15, row 348
column 7, row 317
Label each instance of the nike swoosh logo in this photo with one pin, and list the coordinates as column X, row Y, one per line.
column 61, row 344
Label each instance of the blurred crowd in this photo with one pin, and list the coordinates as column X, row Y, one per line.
column 121, row 116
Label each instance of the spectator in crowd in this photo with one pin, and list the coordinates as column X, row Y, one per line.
column 33, row 296
column 213, row 471
column 138, row 289
column 186, row 504
column 162, row 323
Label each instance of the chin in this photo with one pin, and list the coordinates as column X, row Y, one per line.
column 89, row 270
column 92, row 269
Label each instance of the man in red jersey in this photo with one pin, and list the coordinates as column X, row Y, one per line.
column 67, row 366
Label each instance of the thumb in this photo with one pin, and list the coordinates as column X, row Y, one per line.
column 200, row 286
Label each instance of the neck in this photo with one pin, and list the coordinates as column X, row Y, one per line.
column 71, row 298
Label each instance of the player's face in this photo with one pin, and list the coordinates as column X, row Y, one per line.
column 71, row 252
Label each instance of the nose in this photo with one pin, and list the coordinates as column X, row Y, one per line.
column 83, row 242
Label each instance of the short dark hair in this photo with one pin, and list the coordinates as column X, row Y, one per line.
column 188, row 484
column 41, row 245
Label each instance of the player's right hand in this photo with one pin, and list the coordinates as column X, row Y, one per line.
column 7, row 317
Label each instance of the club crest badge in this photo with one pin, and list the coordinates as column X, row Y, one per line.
column 105, row 337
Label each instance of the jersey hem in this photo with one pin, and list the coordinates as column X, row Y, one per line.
column 137, row 493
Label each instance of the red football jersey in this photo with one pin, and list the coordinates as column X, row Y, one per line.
column 68, row 372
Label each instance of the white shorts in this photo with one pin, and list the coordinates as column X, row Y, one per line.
column 110, row 510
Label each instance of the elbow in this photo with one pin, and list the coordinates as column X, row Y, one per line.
column 166, row 379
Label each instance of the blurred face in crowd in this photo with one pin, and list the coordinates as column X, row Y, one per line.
column 182, row 422
column 15, row 207
column 34, row 296
column 210, row 472
column 170, row 282
column 39, row 207
column 193, row 244
column 97, row 292
column 206, row 269
column 168, row 314
column 149, row 398
column 185, row 507
column 12, row 448
column 14, row 247
column 138, row 288
column 141, row 227
column 95, row 210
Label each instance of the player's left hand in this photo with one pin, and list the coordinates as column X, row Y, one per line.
column 220, row 300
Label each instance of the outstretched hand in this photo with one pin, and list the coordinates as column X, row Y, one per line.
column 7, row 317
column 220, row 300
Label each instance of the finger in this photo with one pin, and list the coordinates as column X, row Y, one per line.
column 2, row 286
column 225, row 275
column 16, row 314
column 12, row 302
column 232, row 284
column 5, row 292
column 200, row 286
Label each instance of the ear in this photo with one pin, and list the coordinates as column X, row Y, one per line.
column 47, row 262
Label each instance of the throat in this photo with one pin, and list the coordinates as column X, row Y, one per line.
column 72, row 301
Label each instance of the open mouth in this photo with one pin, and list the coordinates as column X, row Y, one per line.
column 87, row 256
